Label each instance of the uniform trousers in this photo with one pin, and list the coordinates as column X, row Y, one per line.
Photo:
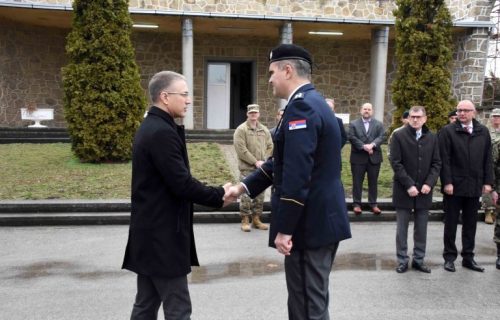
column 469, row 207
column 307, row 276
column 419, row 234
column 153, row 291
column 358, row 176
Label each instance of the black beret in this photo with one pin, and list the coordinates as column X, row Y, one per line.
column 452, row 113
column 406, row 114
column 290, row 51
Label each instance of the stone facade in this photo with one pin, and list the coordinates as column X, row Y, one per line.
column 31, row 57
column 365, row 9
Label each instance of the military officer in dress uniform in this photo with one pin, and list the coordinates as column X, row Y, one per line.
column 309, row 210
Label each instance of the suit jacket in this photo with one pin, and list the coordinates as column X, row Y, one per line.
column 467, row 161
column 309, row 201
column 161, row 239
column 358, row 137
column 414, row 163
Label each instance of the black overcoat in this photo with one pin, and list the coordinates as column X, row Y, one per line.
column 161, row 240
column 414, row 163
column 467, row 162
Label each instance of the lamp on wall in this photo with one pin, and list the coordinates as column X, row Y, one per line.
column 327, row 33
column 145, row 26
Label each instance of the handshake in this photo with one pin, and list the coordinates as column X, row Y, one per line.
column 232, row 192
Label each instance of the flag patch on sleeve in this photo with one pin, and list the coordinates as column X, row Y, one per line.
column 297, row 124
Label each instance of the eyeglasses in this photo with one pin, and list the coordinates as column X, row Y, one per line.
column 464, row 110
column 416, row 117
column 182, row 94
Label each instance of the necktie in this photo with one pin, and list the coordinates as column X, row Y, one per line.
column 418, row 135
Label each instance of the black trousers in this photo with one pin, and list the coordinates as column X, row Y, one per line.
column 307, row 276
column 469, row 207
column 153, row 291
column 358, row 176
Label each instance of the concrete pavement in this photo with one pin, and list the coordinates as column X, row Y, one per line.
column 74, row 273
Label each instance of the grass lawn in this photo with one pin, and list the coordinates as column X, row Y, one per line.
column 50, row 171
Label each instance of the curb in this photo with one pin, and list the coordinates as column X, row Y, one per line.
column 117, row 212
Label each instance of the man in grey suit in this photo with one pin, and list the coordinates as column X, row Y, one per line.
column 366, row 135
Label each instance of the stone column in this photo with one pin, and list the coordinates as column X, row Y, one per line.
column 187, row 66
column 286, row 37
column 378, row 67
column 470, row 64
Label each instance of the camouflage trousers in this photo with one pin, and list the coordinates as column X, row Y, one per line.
column 487, row 202
column 249, row 206
column 496, row 236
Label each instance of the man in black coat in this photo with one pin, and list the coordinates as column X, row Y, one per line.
column 309, row 211
column 416, row 163
column 366, row 136
column 161, row 248
column 467, row 172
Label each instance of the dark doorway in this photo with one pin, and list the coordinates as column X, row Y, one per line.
column 241, row 92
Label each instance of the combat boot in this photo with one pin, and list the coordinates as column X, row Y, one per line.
column 245, row 224
column 257, row 224
column 489, row 216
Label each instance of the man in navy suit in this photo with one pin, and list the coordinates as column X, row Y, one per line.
column 343, row 135
column 309, row 210
column 366, row 136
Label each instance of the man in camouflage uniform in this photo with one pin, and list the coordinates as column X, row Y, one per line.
column 495, row 151
column 253, row 145
column 488, row 203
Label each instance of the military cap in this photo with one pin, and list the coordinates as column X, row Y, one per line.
column 452, row 113
column 290, row 51
column 252, row 108
column 406, row 114
column 495, row 112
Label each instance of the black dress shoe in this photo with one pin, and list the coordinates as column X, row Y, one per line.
column 420, row 267
column 498, row 263
column 471, row 264
column 449, row 266
column 402, row 268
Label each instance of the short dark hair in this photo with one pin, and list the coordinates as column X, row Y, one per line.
column 161, row 81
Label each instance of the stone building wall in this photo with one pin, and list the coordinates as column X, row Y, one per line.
column 30, row 63
column 366, row 9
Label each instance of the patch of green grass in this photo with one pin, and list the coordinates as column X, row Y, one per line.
column 51, row 171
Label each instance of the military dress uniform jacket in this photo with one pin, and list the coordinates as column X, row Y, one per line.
column 252, row 145
column 161, row 240
column 358, row 137
column 414, row 163
column 467, row 161
column 309, row 201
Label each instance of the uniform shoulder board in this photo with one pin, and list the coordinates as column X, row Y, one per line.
column 299, row 95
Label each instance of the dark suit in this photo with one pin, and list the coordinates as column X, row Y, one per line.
column 309, row 201
column 467, row 165
column 363, row 163
column 414, row 163
column 161, row 241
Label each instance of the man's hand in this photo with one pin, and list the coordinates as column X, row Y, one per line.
column 487, row 188
column 259, row 163
column 232, row 192
column 283, row 243
column 494, row 196
column 412, row 191
column 448, row 189
column 425, row 189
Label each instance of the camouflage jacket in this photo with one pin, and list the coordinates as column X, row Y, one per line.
column 251, row 145
column 495, row 153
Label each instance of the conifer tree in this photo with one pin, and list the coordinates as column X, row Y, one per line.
column 424, row 55
column 103, row 98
